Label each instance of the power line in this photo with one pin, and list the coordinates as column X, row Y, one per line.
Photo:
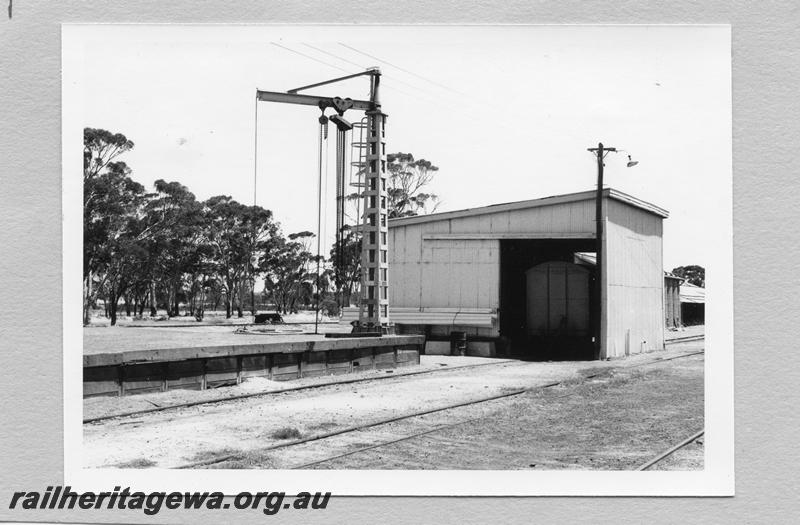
column 389, row 87
column 432, row 97
column 441, row 98
column 334, row 56
column 448, row 88
column 470, row 99
column 309, row 57
column 388, row 77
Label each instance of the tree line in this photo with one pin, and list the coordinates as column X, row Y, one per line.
column 159, row 249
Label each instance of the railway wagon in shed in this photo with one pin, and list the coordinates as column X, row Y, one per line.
column 510, row 277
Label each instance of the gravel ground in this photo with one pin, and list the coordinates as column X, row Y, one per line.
column 105, row 406
column 124, row 339
column 688, row 331
column 245, row 427
column 615, row 423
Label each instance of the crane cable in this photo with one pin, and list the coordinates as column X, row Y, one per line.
column 253, row 240
column 341, row 167
column 323, row 137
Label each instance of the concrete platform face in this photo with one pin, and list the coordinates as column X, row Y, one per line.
column 481, row 349
column 201, row 367
column 437, row 348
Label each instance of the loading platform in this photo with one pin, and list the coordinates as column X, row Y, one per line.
column 210, row 366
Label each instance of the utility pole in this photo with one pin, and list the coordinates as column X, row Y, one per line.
column 600, row 152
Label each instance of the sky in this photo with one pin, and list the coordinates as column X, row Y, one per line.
column 506, row 113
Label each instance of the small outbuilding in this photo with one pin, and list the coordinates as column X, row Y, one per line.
column 507, row 276
column 672, row 300
column 693, row 304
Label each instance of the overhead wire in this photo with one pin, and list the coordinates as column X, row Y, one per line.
column 448, row 88
column 439, row 99
column 388, row 77
column 469, row 100
column 309, row 57
column 390, row 88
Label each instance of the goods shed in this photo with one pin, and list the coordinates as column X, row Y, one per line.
column 508, row 277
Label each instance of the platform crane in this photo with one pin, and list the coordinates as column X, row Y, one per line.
column 373, row 316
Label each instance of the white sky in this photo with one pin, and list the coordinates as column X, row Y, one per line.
column 505, row 112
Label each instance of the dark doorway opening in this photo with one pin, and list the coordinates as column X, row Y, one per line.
column 693, row 314
column 558, row 334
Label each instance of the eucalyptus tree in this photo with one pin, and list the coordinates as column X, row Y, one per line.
column 237, row 236
column 289, row 270
column 110, row 199
column 178, row 243
column 406, row 179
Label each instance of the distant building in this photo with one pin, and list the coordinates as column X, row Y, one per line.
column 672, row 300
column 693, row 304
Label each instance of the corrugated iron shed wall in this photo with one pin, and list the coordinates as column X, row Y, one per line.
column 633, row 310
column 456, row 262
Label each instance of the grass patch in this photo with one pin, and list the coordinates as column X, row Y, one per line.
column 247, row 460
column 325, row 425
column 208, row 455
column 286, row 433
column 136, row 463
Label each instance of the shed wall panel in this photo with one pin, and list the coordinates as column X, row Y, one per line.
column 448, row 273
column 634, row 303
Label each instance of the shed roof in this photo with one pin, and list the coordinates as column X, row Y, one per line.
column 589, row 259
column 532, row 203
column 691, row 293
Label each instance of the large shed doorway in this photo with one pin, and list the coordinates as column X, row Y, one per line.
column 547, row 301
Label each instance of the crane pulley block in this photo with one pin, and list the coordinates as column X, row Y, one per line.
column 341, row 123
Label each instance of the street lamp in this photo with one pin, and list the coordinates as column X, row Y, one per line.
column 600, row 153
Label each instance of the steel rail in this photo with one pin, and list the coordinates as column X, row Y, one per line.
column 451, row 425
column 691, row 439
column 357, row 428
column 385, row 443
column 370, row 425
column 686, row 339
column 292, row 389
column 309, row 387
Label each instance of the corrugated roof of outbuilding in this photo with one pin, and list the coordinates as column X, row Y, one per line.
column 532, row 203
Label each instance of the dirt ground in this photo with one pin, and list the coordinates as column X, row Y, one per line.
column 106, row 406
column 614, row 422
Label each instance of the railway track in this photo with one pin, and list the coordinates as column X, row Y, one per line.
column 686, row 339
column 319, row 385
column 670, row 451
column 357, row 428
column 291, row 389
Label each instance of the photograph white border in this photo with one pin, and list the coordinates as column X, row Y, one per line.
column 716, row 479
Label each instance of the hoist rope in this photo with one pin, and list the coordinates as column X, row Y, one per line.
column 322, row 126
column 255, row 153
column 255, row 187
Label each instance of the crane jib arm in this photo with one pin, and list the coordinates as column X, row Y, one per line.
column 311, row 100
